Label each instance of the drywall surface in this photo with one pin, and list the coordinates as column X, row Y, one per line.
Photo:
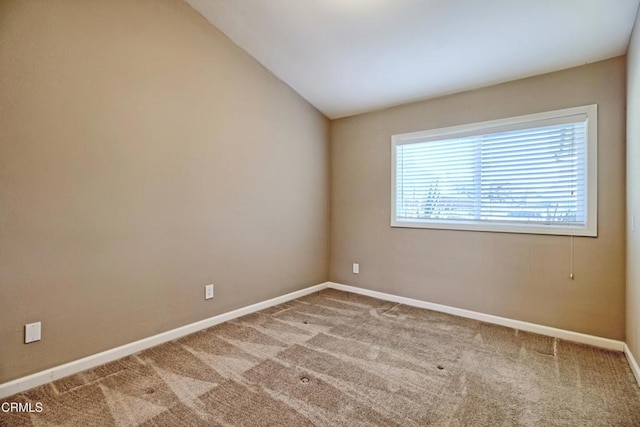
column 142, row 156
column 518, row 276
column 633, row 191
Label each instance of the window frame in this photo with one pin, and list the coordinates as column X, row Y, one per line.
column 501, row 125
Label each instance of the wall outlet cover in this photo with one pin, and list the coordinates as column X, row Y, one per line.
column 208, row 292
column 32, row 332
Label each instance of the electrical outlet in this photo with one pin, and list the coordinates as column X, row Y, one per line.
column 356, row 268
column 208, row 292
column 32, row 332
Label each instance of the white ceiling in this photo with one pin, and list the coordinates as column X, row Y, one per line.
column 350, row 56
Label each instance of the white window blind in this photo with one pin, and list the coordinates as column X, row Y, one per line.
column 527, row 174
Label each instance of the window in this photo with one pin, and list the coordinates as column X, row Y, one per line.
column 528, row 174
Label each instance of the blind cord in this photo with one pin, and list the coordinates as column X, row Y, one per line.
column 571, row 273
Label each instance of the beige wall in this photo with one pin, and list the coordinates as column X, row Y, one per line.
column 633, row 192
column 142, row 156
column 524, row 277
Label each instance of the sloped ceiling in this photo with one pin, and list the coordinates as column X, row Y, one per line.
column 351, row 56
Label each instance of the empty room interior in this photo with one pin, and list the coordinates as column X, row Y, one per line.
column 328, row 212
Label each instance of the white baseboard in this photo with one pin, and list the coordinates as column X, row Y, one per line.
column 55, row 373
column 511, row 323
column 39, row 378
column 632, row 363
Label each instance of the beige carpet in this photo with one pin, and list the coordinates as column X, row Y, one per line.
column 339, row 359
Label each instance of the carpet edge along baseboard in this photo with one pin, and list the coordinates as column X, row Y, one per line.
column 39, row 378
